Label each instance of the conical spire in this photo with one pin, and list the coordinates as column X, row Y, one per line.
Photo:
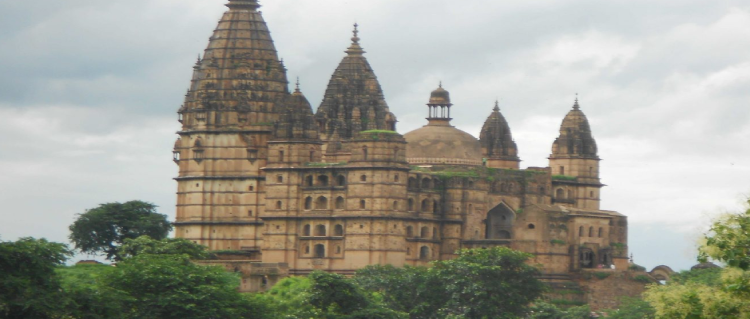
column 354, row 100
column 576, row 139
column 497, row 141
column 239, row 73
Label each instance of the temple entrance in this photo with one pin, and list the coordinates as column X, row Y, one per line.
column 586, row 258
column 500, row 222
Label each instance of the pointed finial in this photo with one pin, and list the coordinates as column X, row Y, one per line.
column 355, row 49
column 296, row 90
column 441, row 84
column 497, row 106
column 243, row 4
column 576, row 106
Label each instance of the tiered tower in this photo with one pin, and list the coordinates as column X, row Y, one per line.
column 353, row 102
column 237, row 91
column 498, row 146
column 575, row 163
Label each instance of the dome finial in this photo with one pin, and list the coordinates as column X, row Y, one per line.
column 497, row 105
column 355, row 49
column 441, row 84
column 576, row 106
column 296, row 90
column 243, row 4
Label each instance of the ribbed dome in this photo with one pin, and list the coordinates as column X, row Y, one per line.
column 440, row 96
column 240, row 75
column 437, row 144
column 296, row 120
column 353, row 101
column 575, row 138
column 496, row 139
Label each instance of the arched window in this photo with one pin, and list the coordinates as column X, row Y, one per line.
column 424, row 252
column 434, row 233
column 281, row 156
column 338, row 249
column 395, row 178
column 559, row 193
column 340, row 180
column 364, row 152
column 309, row 180
column 541, row 190
column 322, row 180
column 395, row 205
column 591, row 231
column 363, row 178
column 306, row 230
column 435, row 206
column 320, row 230
column 580, row 231
column 339, row 202
column 409, row 231
column 425, row 205
column 278, row 205
column 320, row 251
column 426, row 183
column 312, row 155
column 280, row 179
column 531, row 226
column 308, row 203
column 601, row 232
column 499, row 223
column 338, row 230
column 408, row 251
column 411, row 204
column 307, row 249
column 321, row 203
column 424, row 233
column 362, row 204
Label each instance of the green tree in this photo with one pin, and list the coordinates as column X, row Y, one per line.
column 166, row 246
column 172, row 287
column 543, row 310
column 29, row 287
column 86, row 296
column 632, row 308
column 728, row 240
column 413, row 290
column 489, row 283
column 698, row 293
column 104, row 229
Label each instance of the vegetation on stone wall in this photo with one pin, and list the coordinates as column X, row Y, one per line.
column 564, row 178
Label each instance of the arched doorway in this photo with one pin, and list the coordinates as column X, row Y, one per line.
column 500, row 222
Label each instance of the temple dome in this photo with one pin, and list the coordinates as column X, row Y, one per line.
column 442, row 145
column 439, row 143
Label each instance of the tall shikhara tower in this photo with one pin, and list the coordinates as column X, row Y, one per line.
column 239, row 88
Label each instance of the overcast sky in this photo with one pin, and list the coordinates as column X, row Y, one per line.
column 89, row 91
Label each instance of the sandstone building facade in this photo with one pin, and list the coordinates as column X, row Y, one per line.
column 289, row 190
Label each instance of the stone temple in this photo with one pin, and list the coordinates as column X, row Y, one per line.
column 283, row 190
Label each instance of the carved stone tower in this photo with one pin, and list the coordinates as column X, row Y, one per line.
column 498, row 146
column 236, row 93
column 353, row 102
column 575, row 163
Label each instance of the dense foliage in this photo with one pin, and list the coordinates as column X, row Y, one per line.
column 711, row 293
column 105, row 228
column 29, row 286
column 167, row 246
